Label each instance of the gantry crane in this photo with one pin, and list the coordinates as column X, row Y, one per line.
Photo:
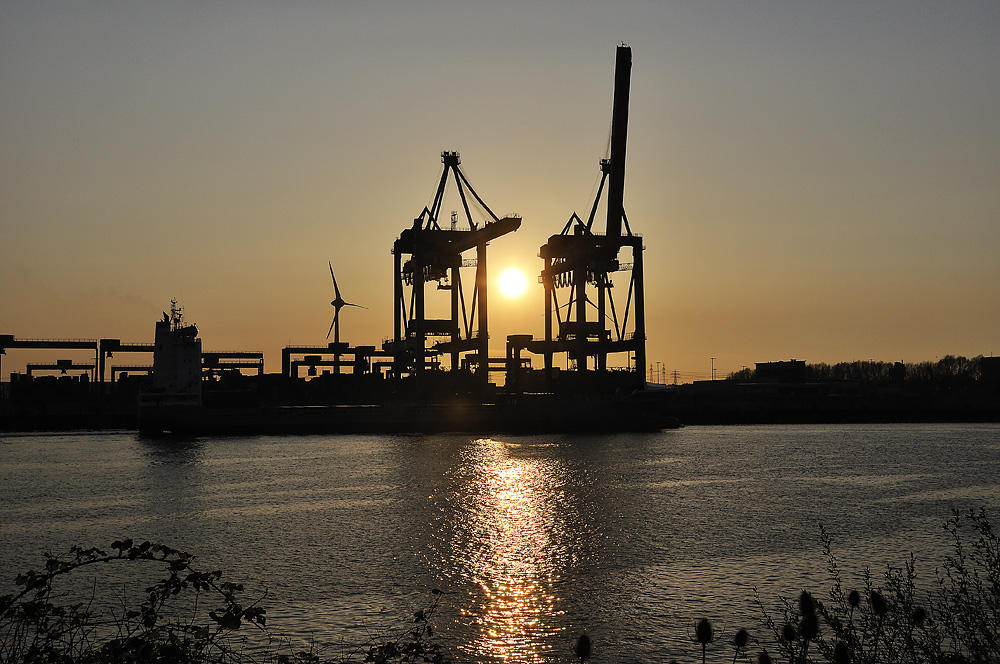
column 582, row 259
column 428, row 253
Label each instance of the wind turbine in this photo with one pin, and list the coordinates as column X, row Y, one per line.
column 338, row 303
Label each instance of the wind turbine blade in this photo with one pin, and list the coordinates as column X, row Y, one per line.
column 332, row 323
column 336, row 291
column 351, row 304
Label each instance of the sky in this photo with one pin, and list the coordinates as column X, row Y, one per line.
column 812, row 180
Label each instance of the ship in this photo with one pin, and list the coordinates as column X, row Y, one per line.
column 434, row 373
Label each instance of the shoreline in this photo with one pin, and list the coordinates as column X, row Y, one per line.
column 93, row 414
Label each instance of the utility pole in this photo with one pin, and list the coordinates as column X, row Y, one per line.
column 657, row 372
column 713, row 368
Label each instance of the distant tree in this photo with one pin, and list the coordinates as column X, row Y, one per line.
column 744, row 374
column 952, row 373
column 820, row 371
column 865, row 371
column 949, row 374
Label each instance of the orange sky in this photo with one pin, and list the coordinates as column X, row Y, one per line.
column 818, row 181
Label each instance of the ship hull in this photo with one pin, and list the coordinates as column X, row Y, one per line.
column 598, row 416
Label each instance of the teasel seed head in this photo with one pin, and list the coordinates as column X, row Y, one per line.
column 703, row 632
column 583, row 647
column 878, row 603
column 841, row 653
column 807, row 606
column 809, row 627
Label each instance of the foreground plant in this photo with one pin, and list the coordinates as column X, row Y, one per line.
column 890, row 621
column 414, row 645
column 186, row 616
column 169, row 624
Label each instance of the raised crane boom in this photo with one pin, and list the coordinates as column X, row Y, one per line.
column 619, row 137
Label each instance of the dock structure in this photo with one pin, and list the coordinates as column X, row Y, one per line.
column 434, row 371
column 102, row 350
column 212, row 362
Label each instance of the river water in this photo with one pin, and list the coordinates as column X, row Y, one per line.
column 533, row 539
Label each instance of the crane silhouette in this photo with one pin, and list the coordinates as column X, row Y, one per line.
column 338, row 303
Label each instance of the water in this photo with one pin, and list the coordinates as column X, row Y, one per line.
column 533, row 539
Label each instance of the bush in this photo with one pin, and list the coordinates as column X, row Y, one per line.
column 169, row 624
column 890, row 620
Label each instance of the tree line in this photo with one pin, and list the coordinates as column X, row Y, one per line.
column 948, row 374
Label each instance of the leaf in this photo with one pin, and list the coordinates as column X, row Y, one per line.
column 227, row 620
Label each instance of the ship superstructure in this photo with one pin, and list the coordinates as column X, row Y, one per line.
column 177, row 362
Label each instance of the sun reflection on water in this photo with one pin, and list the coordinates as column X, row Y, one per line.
column 513, row 543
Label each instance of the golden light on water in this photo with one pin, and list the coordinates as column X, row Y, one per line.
column 517, row 552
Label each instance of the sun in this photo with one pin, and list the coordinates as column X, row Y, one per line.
column 512, row 283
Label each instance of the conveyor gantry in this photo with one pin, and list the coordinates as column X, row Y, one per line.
column 213, row 361
column 62, row 366
column 108, row 347
column 361, row 358
column 8, row 341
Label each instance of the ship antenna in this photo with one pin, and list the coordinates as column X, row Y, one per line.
column 176, row 314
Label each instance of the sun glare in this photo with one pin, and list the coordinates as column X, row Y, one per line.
column 512, row 282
